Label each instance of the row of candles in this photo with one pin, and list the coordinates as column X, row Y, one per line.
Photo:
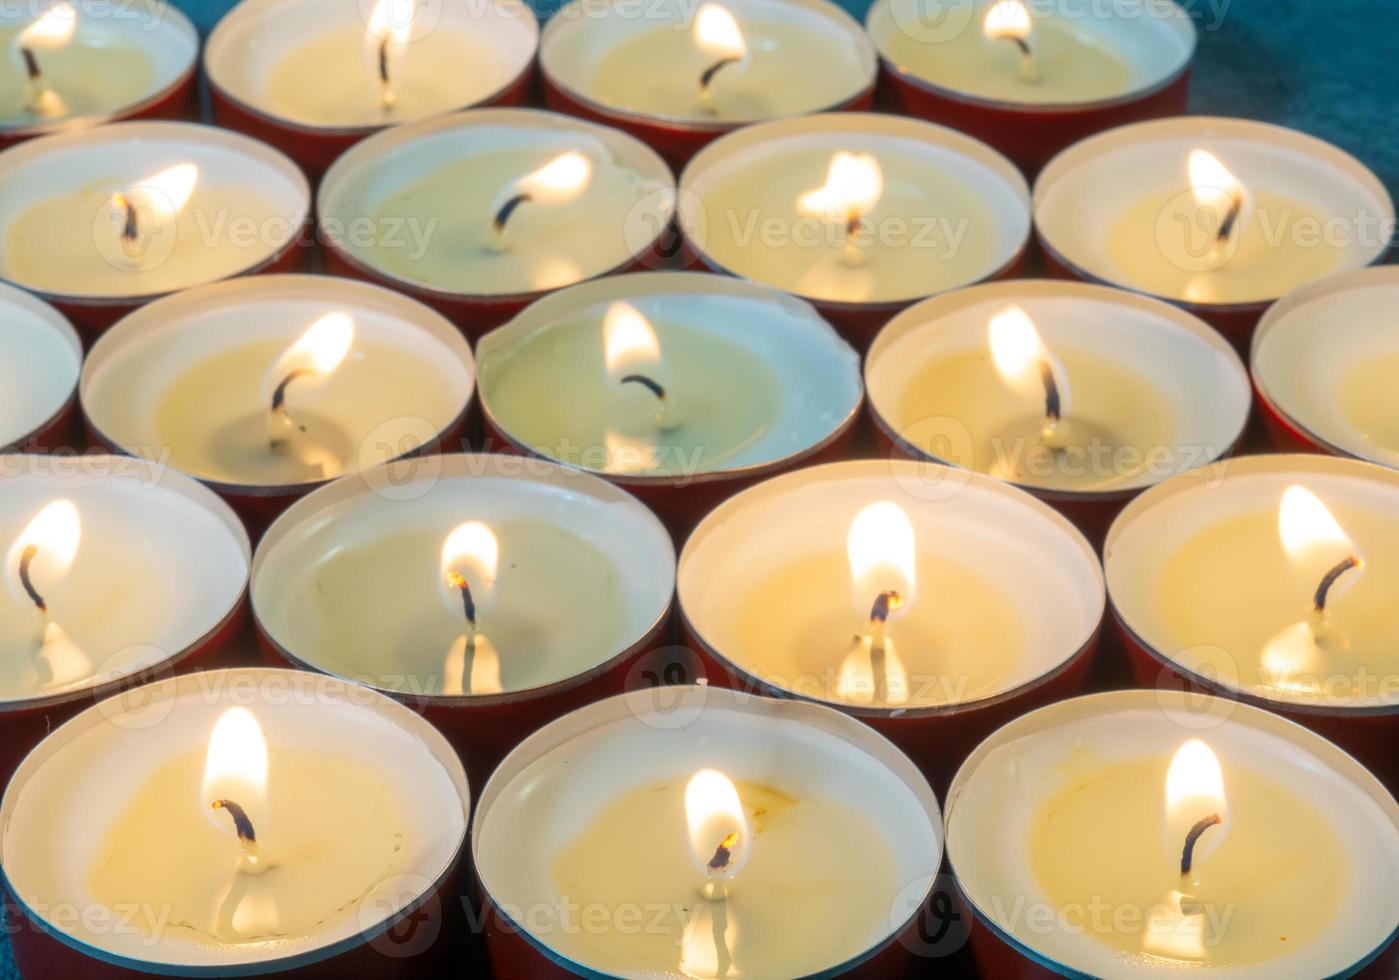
column 948, row 610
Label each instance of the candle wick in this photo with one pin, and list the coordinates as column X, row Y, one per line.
column 1323, row 589
column 25, row 559
column 505, row 211
column 31, row 64
column 884, row 603
column 468, row 604
column 723, row 854
column 1187, row 855
column 706, row 80
column 1029, row 72
column 1231, row 218
column 1053, row 402
column 281, row 417
column 384, row 78
column 131, row 225
column 649, row 384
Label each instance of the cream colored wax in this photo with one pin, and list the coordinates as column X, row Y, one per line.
column 1270, row 886
column 552, row 244
column 554, row 393
column 214, row 424
column 788, row 70
column 62, row 245
column 92, row 74
column 815, row 891
column 1369, row 401
column 961, row 639
column 333, row 79
column 373, row 610
column 1117, row 418
column 1072, row 65
column 929, row 232
column 1160, row 245
column 1228, row 592
column 333, row 832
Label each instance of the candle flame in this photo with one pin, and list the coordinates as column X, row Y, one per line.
column 470, row 557
column 1216, row 188
column 235, row 767
column 1194, row 791
column 881, row 550
column 315, row 355
column 854, row 185
column 717, row 33
column 53, row 30
column 629, row 340
column 558, row 181
column 720, row 839
column 392, row 21
column 1308, row 529
column 54, row 533
column 1008, row 19
column 159, row 198
column 1020, row 355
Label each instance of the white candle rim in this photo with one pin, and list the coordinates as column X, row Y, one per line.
column 370, row 152
column 544, row 313
column 321, row 686
column 1061, row 167
column 1183, row 704
column 342, row 494
column 880, row 11
column 249, row 10
column 582, row 12
column 1243, row 466
column 183, row 29
column 117, row 467
column 169, row 314
column 45, row 317
column 669, row 702
column 893, row 469
column 1275, row 319
column 861, row 127
column 196, row 136
column 924, row 316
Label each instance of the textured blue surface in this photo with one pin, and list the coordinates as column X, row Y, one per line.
column 1324, row 68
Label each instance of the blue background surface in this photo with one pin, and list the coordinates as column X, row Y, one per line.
column 1326, row 68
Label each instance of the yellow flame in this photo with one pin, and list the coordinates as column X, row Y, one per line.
column 716, row 816
column 53, row 30
column 1007, row 19
column 235, row 767
column 1309, row 531
column 558, row 181
column 629, row 341
column 854, row 185
column 392, row 21
column 881, row 548
column 717, row 33
column 55, row 531
column 470, row 554
column 1194, row 790
column 160, row 198
column 1210, row 180
column 1019, row 353
column 315, row 355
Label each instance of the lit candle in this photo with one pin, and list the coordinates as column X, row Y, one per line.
column 266, row 387
column 1323, row 363
column 860, row 214
column 493, row 208
column 113, row 570
column 1148, row 834
column 681, row 387
column 685, row 74
column 919, row 598
column 781, row 840
column 1270, row 582
column 314, row 78
column 103, row 220
column 1221, row 216
column 40, row 357
column 510, row 591
column 236, row 822
column 1081, row 394
column 1029, row 79
column 70, row 63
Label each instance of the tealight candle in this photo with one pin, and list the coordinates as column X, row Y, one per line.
column 79, row 63
column 932, row 603
column 1143, row 834
column 236, row 823
column 684, row 73
column 314, row 78
column 510, row 591
column 860, row 214
column 102, row 221
column 480, row 212
column 1272, row 583
column 681, row 387
column 1081, row 394
column 1323, row 362
column 114, row 570
column 264, row 388
column 757, row 837
column 40, row 357
column 1221, row 216
column 1031, row 79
